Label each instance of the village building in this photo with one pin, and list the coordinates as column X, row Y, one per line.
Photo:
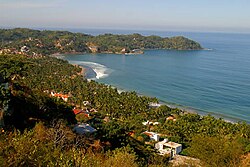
column 137, row 51
column 171, row 118
column 124, row 50
column 150, row 123
column 59, row 95
column 83, row 129
column 168, row 147
column 24, row 49
column 152, row 135
column 86, row 103
column 81, row 111
column 154, row 105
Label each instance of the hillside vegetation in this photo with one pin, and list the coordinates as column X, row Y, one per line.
column 37, row 128
column 52, row 42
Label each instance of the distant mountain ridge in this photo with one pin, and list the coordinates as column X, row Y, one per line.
column 51, row 42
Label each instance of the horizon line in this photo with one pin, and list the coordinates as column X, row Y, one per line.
column 122, row 29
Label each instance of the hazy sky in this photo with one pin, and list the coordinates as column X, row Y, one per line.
column 184, row 15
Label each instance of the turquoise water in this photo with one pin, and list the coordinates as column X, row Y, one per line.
column 215, row 81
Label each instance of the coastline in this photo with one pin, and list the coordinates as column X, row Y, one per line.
column 185, row 109
column 140, row 52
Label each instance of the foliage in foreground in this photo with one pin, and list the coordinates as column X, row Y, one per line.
column 59, row 146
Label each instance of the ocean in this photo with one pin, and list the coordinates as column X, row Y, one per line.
column 214, row 81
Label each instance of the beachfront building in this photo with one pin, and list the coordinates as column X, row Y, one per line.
column 168, row 147
column 154, row 105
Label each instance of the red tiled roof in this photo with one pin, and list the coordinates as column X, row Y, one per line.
column 77, row 111
column 60, row 95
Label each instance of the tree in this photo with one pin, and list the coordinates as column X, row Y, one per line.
column 216, row 151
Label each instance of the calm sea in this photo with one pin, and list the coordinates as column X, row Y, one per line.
column 214, row 81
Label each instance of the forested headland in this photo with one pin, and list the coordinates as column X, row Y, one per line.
column 35, row 42
column 37, row 128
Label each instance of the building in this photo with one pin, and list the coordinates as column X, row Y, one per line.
column 171, row 118
column 81, row 111
column 24, row 49
column 124, row 50
column 86, row 103
column 59, row 95
column 77, row 111
column 154, row 105
column 152, row 135
column 150, row 123
column 84, row 128
column 137, row 51
column 168, row 147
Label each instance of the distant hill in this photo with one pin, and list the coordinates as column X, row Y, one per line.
column 52, row 42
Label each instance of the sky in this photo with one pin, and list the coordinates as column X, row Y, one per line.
column 167, row 15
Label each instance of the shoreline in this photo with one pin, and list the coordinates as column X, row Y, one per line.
column 185, row 109
column 130, row 53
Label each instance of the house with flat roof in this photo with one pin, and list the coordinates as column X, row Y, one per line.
column 168, row 147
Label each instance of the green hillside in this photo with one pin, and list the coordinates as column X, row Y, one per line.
column 37, row 128
column 52, row 42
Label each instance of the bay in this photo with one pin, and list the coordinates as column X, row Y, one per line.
column 214, row 81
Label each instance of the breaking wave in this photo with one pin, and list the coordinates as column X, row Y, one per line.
column 94, row 70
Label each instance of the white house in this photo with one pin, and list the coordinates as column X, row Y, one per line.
column 168, row 147
column 24, row 49
column 154, row 105
column 176, row 147
column 85, row 103
column 152, row 135
column 150, row 123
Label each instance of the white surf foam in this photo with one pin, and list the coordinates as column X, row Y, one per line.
column 100, row 70
column 207, row 49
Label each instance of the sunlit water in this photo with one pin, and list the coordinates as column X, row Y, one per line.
column 213, row 81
